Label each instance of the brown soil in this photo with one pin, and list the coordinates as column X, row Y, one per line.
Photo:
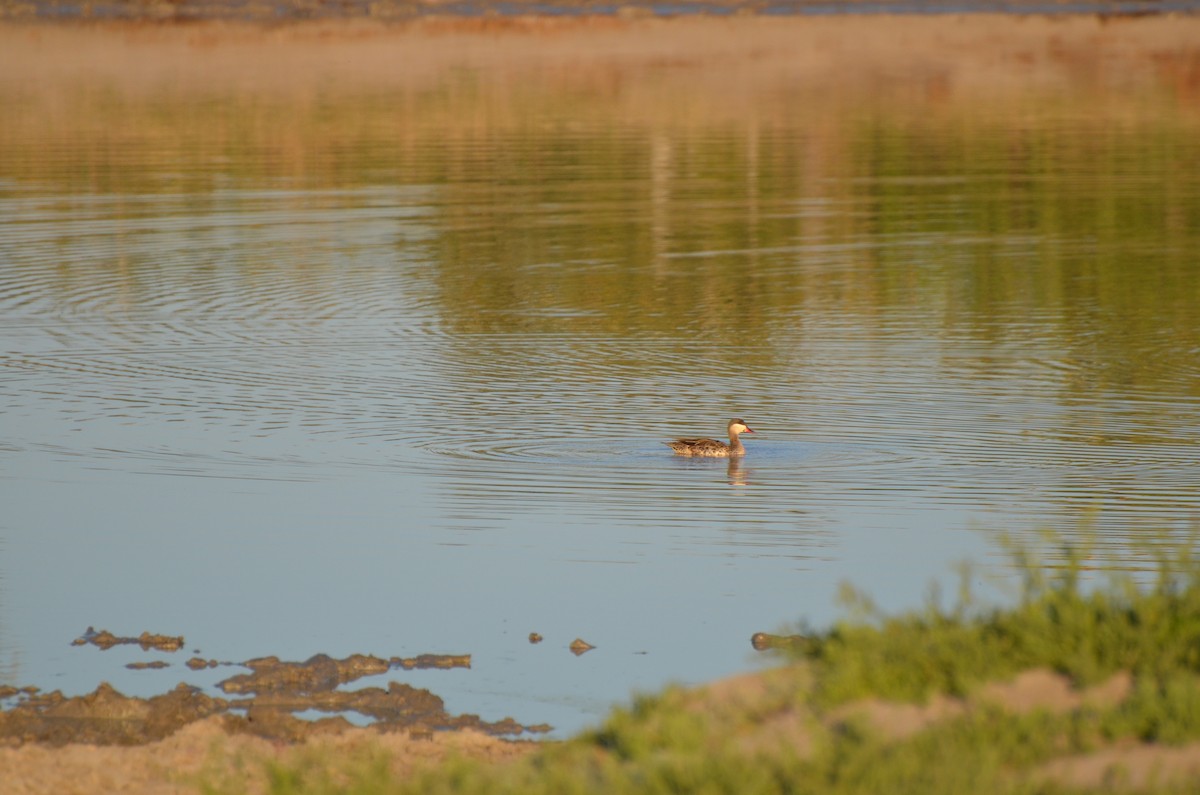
column 208, row 749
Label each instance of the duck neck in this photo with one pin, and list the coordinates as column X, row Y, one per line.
column 735, row 445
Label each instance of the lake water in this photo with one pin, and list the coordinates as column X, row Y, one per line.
column 345, row 355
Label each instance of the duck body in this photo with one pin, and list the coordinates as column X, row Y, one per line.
column 711, row 448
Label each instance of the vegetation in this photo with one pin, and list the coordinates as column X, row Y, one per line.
column 827, row 721
column 1058, row 623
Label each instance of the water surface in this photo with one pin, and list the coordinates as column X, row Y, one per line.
column 385, row 366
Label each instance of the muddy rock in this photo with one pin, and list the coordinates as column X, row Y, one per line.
column 104, row 717
column 280, row 725
column 107, row 717
column 268, row 700
column 762, row 641
column 400, row 707
column 318, row 673
column 432, row 661
column 105, row 640
column 398, row 703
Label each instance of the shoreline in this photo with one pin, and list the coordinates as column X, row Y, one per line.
column 186, row 12
column 879, row 59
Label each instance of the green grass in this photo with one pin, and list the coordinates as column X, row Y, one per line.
column 792, row 733
column 1086, row 634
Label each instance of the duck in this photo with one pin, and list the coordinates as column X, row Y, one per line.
column 711, row 448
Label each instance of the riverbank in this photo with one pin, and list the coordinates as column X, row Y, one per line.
column 877, row 54
column 392, row 11
column 206, row 753
column 73, row 84
column 1075, row 688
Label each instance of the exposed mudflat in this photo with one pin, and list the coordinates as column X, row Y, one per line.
column 107, row 741
column 265, row 702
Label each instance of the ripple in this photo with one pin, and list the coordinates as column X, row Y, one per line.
column 224, row 262
column 761, row 455
column 307, row 332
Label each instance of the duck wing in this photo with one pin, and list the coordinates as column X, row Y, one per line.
column 697, row 444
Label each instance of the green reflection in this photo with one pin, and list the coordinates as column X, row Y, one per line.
column 563, row 204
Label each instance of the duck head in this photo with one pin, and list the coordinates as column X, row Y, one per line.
column 737, row 426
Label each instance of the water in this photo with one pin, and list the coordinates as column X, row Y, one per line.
column 387, row 368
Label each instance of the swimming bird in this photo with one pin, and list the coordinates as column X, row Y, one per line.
column 711, row 448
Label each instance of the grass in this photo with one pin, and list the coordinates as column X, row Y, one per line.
column 1086, row 634
column 804, row 728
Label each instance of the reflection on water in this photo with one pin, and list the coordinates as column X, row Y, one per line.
column 401, row 384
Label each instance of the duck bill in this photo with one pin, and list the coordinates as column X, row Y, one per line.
column 749, row 429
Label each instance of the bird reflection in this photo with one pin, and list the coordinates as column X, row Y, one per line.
column 735, row 473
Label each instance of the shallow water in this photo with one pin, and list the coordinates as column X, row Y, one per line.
column 389, row 371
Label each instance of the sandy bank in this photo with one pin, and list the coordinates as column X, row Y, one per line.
column 204, row 751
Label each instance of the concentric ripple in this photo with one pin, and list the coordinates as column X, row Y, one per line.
column 304, row 336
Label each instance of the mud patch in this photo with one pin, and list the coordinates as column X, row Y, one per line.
column 153, row 665
column 270, row 698
column 318, row 673
column 579, row 647
column 432, row 661
column 105, row 640
column 104, row 717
